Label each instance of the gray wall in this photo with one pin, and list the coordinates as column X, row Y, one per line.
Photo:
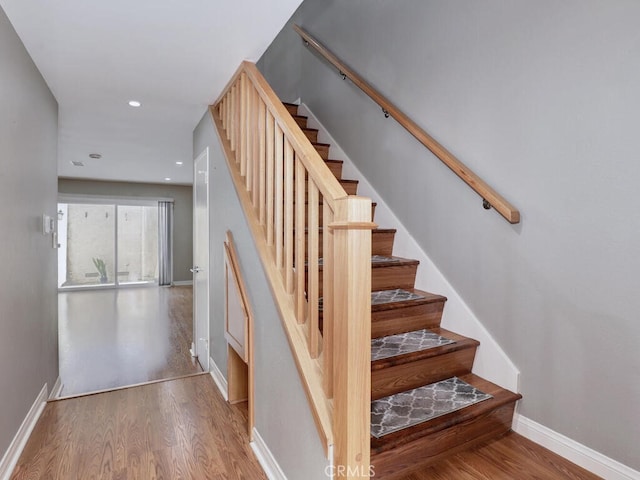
column 541, row 99
column 282, row 415
column 182, row 212
column 28, row 296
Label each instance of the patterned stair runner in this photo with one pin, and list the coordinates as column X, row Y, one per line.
column 406, row 409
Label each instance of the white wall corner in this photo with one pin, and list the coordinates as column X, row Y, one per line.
column 11, row 456
column 219, row 379
column 491, row 361
column 180, row 283
column 573, row 451
column 266, row 459
column 56, row 390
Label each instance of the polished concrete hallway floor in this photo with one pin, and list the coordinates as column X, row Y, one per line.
column 117, row 337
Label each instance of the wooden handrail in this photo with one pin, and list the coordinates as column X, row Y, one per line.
column 490, row 197
column 289, row 196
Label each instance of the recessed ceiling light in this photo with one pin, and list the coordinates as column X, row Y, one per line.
column 77, row 163
column 167, row 179
column 134, row 103
column 95, row 156
column 179, row 163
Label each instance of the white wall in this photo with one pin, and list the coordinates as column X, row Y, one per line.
column 541, row 99
column 28, row 294
column 282, row 415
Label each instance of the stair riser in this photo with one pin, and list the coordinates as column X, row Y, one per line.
column 397, row 463
column 381, row 243
column 301, row 121
column 387, row 277
column 402, row 276
column 312, row 135
column 292, row 109
column 399, row 378
column 416, row 317
column 351, row 188
column 336, row 169
column 323, row 150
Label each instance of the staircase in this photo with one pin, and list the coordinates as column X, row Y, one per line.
column 426, row 403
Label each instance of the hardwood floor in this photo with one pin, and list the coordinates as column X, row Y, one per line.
column 184, row 429
column 506, row 458
column 168, row 430
column 117, row 337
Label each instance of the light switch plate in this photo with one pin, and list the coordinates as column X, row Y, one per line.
column 47, row 225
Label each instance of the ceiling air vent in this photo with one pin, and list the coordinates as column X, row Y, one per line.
column 77, row 163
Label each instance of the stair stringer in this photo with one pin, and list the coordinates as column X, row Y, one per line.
column 491, row 361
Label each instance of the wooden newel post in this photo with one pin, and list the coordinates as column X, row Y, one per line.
column 351, row 229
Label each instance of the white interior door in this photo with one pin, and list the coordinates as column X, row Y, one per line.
column 201, row 258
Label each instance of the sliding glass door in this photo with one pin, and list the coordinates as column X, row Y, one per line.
column 107, row 244
column 137, row 244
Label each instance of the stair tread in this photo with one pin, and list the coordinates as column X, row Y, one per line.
column 321, row 144
column 290, row 104
column 307, row 129
column 373, row 231
column 383, row 261
column 458, row 342
column 500, row 397
column 425, row 297
column 345, row 180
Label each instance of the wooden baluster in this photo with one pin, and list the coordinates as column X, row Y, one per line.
column 233, row 115
column 288, row 215
column 313, row 289
column 352, row 334
column 279, row 204
column 230, row 115
column 255, row 151
column 252, row 158
column 223, row 114
column 301, row 303
column 262, row 161
column 227, row 116
column 242, row 139
column 238, row 121
column 327, row 300
column 249, row 139
column 270, row 179
column 220, row 112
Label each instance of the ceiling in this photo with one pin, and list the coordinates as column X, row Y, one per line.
column 174, row 56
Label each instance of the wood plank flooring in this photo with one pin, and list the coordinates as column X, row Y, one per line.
column 506, row 458
column 178, row 429
column 184, row 429
column 117, row 337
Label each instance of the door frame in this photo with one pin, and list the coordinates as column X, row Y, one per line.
column 196, row 333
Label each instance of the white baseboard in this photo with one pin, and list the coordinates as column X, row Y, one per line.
column 180, row 283
column 11, row 456
column 56, row 390
column 268, row 463
column 577, row 453
column 218, row 377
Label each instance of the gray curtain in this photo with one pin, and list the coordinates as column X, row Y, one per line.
column 165, row 244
